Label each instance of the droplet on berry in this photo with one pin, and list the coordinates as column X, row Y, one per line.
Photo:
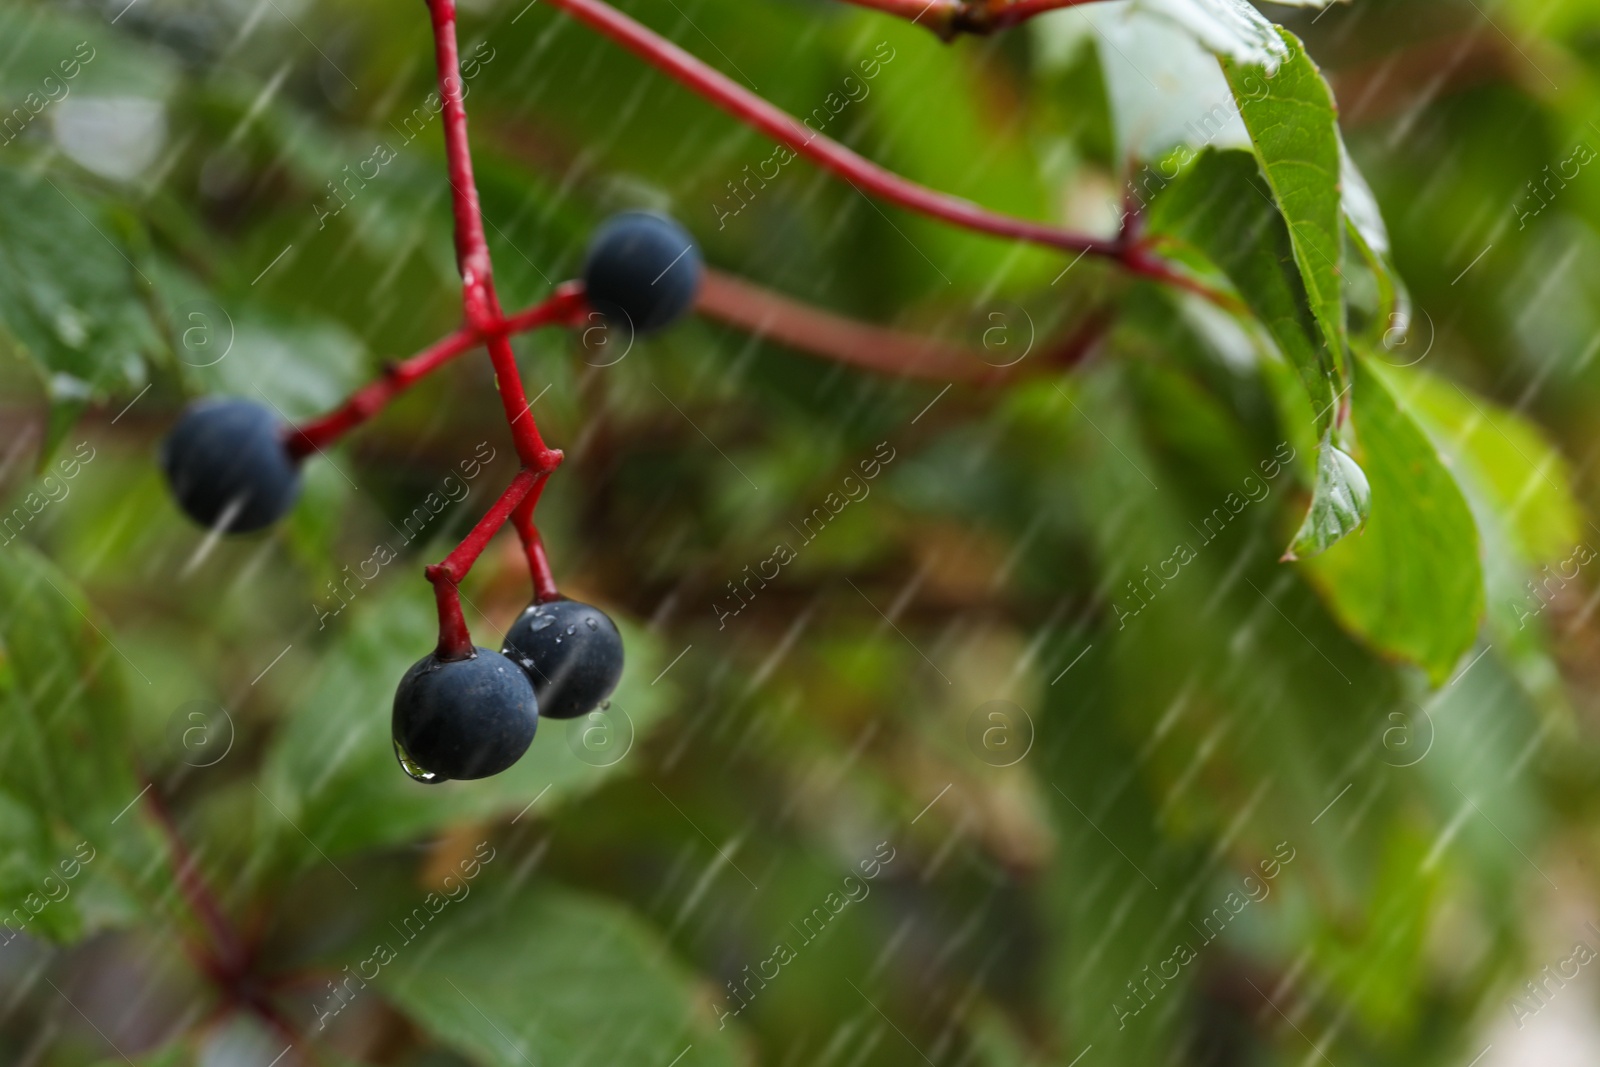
column 463, row 719
column 573, row 666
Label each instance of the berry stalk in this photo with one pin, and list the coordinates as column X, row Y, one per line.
column 544, row 581
column 455, row 641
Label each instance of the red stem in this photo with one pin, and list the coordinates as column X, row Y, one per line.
column 483, row 315
column 781, row 318
column 472, row 250
column 544, row 582
column 564, row 307
column 371, row 399
column 733, row 300
column 230, row 957
column 455, row 642
column 778, row 124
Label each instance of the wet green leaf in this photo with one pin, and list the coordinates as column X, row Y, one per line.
column 1294, row 126
column 1411, row 584
column 70, row 296
column 1341, row 499
column 510, row 976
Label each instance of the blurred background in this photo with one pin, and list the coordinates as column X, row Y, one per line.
column 963, row 784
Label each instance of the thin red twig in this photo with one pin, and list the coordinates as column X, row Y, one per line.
column 480, row 303
column 758, row 310
column 398, row 377
column 229, row 957
column 544, row 581
column 783, row 127
column 780, row 318
column 483, row 315
column 455, row 641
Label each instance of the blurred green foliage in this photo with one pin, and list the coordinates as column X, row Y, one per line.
column 1058, row 660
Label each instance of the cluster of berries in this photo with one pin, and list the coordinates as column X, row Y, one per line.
column 457, row 715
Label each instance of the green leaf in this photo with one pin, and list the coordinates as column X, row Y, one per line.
column 1369, row 233
column 69, row 295
column 1231, row 28
column 1503, row 457
column 332, row 772
column 63, row 727
column 1340, row 503
column 1532, row 528
column 1154, row 72
column 540, row 976
column 1219, row 207
column 1411, row 585
column 1294, row 126
column 58, row 55
column 70, row 857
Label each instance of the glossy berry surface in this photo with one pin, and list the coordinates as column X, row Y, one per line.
column 228, row 467
column 643, row 269
column 572, row 653
column 465, row 719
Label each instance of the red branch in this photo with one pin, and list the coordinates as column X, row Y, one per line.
column 860, row 172
column 788, row 321
column 483, row 315
column 780, row 318
column 478, row 297
column 455, row 642
column 544, row 581
column 228, row 955
column 564, row 307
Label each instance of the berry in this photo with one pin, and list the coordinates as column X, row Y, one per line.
column 572, row 653
column 466, row 718
column 641, row 268
column 227, row 465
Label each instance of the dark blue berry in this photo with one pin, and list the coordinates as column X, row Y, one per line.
column 466, row 718
column 642, row 269
column 228, row 466
column 572, row 653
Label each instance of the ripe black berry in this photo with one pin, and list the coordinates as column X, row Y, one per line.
column 466, row 718
column 641, row 268
column 228, row 467
column 572, row 653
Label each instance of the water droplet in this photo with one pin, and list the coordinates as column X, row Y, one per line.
column 540, row 622
column 571, row 630
column 590, row 623
column 605, row 705
column 413, row 769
